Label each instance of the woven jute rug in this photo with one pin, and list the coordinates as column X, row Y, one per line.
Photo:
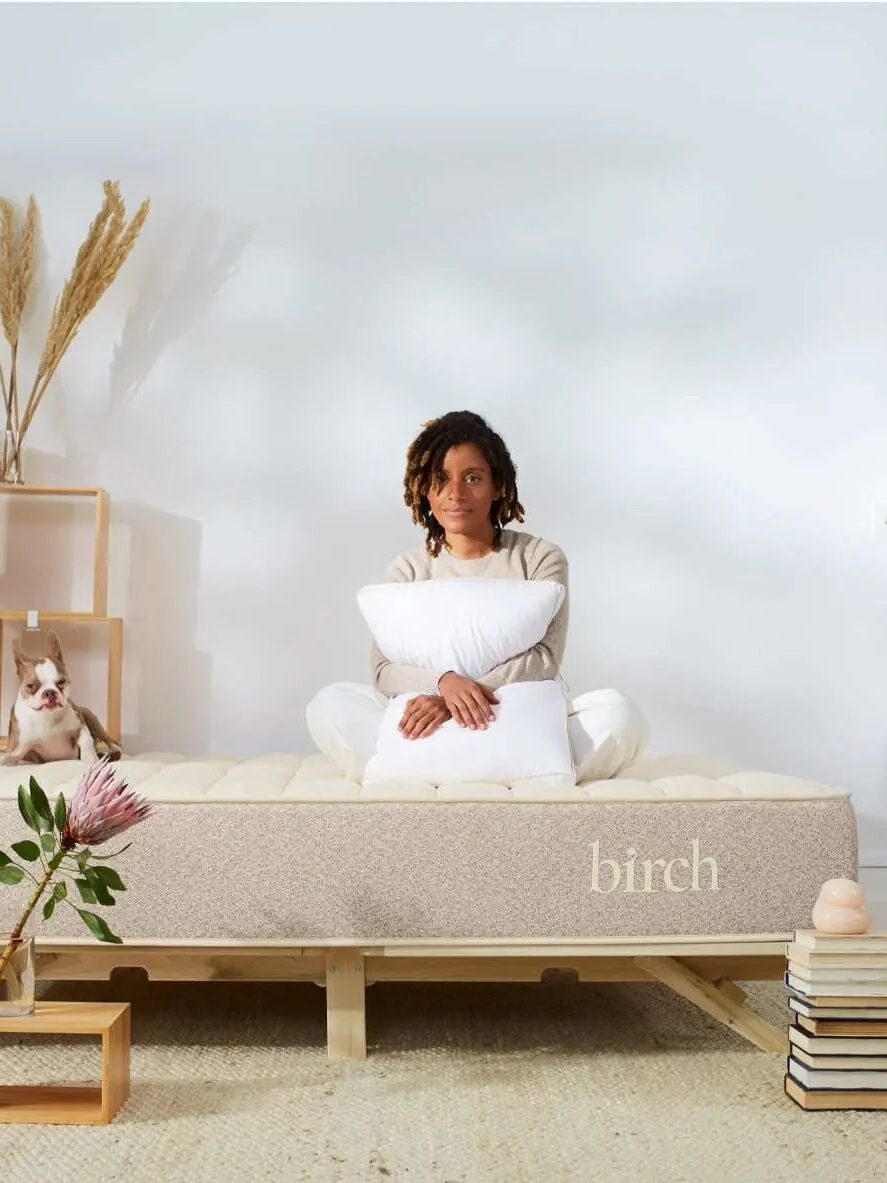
column 471, row 1082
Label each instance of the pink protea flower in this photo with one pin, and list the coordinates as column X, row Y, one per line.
column 101, row 808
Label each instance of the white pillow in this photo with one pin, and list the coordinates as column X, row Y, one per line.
column 462, row 624
column 526, row 738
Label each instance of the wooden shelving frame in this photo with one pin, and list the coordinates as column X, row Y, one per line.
column 72, row 1104
column 113, row 625
column 704, row 970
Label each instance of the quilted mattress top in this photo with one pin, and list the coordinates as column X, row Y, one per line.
column 165, row 776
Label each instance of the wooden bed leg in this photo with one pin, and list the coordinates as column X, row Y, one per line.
column 345, row 1005
column 723, row 1000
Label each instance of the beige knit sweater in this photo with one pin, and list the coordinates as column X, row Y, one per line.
column 520, row 556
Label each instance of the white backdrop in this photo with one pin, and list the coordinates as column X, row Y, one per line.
column 649, row 245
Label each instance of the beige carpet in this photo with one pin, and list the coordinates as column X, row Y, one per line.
column 555, row 1081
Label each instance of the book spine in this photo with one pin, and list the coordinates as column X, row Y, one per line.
column 839, row 1062
column 837, row 1079
column 837, row 960
column 816, row 990
column 826, row 943
column 835, row 1045
column 856, row 969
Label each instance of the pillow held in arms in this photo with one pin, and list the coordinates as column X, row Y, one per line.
column 464, row 624
column 527, row 738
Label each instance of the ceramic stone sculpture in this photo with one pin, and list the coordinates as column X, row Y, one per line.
column 840, row 908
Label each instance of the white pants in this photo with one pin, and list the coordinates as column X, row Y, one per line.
column 607, row 731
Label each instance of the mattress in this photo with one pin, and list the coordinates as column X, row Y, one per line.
column 284, row 848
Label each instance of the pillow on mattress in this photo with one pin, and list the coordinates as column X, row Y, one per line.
column 467, row 625
column 526, row 738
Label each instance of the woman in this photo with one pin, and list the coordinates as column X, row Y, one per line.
column 460, row 484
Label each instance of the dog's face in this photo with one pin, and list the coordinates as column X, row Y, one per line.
column 43, row 681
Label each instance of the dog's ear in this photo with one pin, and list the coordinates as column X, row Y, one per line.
column 55, row 647
column 21, row 659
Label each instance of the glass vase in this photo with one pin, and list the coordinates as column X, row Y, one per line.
column 10, row 468
column 18, row 977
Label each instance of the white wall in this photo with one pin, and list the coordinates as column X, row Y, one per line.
column 648, row 244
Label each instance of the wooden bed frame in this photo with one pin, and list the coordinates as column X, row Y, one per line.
column 702, row 969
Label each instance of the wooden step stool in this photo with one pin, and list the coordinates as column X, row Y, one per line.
column 58, row 1104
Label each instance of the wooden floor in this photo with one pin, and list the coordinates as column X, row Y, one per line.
column 704, row 970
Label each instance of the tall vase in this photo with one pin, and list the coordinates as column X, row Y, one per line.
column 17, row 978
column 11, row 469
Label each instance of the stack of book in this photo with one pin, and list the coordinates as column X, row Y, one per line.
column 837, row 987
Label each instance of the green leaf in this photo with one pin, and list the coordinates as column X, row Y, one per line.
column 47, row 841
column 83, row 858
column 49, row 907
column 26, row 809
column 109, row 877
column 98, row 927
column 41, row 806
column 60, row 891
column 60, row 812
column 86, row 893
column 4, row 858
column 11, row 874
column 103, row 896
column 27, row 850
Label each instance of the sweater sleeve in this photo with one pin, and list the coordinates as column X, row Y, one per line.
column 390, row 677
column 542, row 662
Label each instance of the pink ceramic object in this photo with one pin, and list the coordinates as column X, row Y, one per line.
column 840, row 908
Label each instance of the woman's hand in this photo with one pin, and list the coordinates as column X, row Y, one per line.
column 423, row 715
column 467, row 701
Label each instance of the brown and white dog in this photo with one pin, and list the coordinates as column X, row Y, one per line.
column 44, row 723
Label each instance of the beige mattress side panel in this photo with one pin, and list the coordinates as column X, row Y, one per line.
column 316, row 870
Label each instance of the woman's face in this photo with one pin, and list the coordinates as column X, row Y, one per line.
column 461, row 500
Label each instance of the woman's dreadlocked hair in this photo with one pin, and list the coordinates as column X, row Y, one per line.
column 425, row 458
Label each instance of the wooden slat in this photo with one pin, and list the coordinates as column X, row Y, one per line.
column 115, row 1065
column 591, row 948
column 46, row 1104
column 586, row 969
column 100, row 556
column 181, row 965
column 48, row 491
column 72, row 1018
column 478, row 944
column 769, row 942
column 715, row 1002
column 345, row 1005
column 271, row 964
column 115, row 677
column 70, row 617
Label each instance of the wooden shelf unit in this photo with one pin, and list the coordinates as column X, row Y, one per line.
column 102, row 532
column 72, row 1104
column 98, row 615
column 114, row 626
